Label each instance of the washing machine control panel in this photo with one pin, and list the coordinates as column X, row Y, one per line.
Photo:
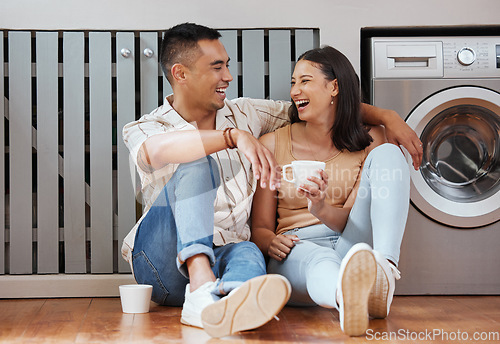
column 436, row 57
column 471, row 57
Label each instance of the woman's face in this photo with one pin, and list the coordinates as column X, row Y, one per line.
column 311, row 92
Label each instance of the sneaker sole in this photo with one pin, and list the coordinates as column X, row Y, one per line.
column 252, row 305
column 377, row 305
column 189, row 320
column 358, row 279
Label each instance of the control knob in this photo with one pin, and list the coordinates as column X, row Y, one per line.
column 466, row 56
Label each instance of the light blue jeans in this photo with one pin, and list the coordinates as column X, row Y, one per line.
column 180, row 225
column 377, row 218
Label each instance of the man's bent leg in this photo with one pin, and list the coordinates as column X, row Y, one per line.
column 177, row 227
column 236, row 263
column 192, row 201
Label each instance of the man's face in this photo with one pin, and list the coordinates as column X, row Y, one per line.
column 209, row 76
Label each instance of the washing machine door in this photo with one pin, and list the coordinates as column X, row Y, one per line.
column 458, row 183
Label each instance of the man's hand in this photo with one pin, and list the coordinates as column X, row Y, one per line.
column 264, row 165
column 399, row 133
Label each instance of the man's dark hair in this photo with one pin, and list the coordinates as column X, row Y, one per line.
column 180, row 45
column 347, row 131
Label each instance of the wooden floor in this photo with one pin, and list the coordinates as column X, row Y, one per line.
column 415, row 319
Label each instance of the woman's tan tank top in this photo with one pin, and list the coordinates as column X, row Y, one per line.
column 343, row 171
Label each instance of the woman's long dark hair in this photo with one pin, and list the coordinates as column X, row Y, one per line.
column 347, row 131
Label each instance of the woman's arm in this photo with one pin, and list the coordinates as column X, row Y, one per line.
column 265, row 202
column 263, row 218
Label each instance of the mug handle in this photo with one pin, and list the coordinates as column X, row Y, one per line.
column 284, row 173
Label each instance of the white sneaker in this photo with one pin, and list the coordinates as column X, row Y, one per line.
column 358, row 271
column 382, row 292
column 196, row 301
column 251, row 305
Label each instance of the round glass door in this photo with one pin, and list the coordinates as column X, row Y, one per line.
column 459, row 180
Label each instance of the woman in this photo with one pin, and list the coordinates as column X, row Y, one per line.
column 320, row 236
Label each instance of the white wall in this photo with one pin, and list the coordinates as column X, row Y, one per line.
column 339, row 21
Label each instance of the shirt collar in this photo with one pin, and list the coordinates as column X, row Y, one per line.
column 224, row 117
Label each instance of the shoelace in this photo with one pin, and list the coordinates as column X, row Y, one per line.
column 395, row 272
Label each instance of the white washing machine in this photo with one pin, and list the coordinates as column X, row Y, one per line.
column 447, row 87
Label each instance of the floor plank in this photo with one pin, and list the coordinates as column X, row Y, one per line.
column 105, row 322
column 16, row 316
column 58, row 320
column 488, row 306
column 100, row 320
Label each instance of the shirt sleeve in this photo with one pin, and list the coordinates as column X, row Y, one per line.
column 270, row 114
column 135, row 133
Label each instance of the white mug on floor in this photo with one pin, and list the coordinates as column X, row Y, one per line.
column 135, row 298
column 301, row 170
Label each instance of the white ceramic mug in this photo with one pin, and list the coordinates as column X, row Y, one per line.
column 135, row 298
column 301, row 170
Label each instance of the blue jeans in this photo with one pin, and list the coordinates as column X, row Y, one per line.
column 180, row 225
column 377, row 218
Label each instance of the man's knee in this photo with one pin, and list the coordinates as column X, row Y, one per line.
column 204, row 170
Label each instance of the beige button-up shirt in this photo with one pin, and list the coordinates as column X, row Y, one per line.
column 237, row 185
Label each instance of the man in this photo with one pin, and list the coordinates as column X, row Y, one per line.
column 200, row 161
